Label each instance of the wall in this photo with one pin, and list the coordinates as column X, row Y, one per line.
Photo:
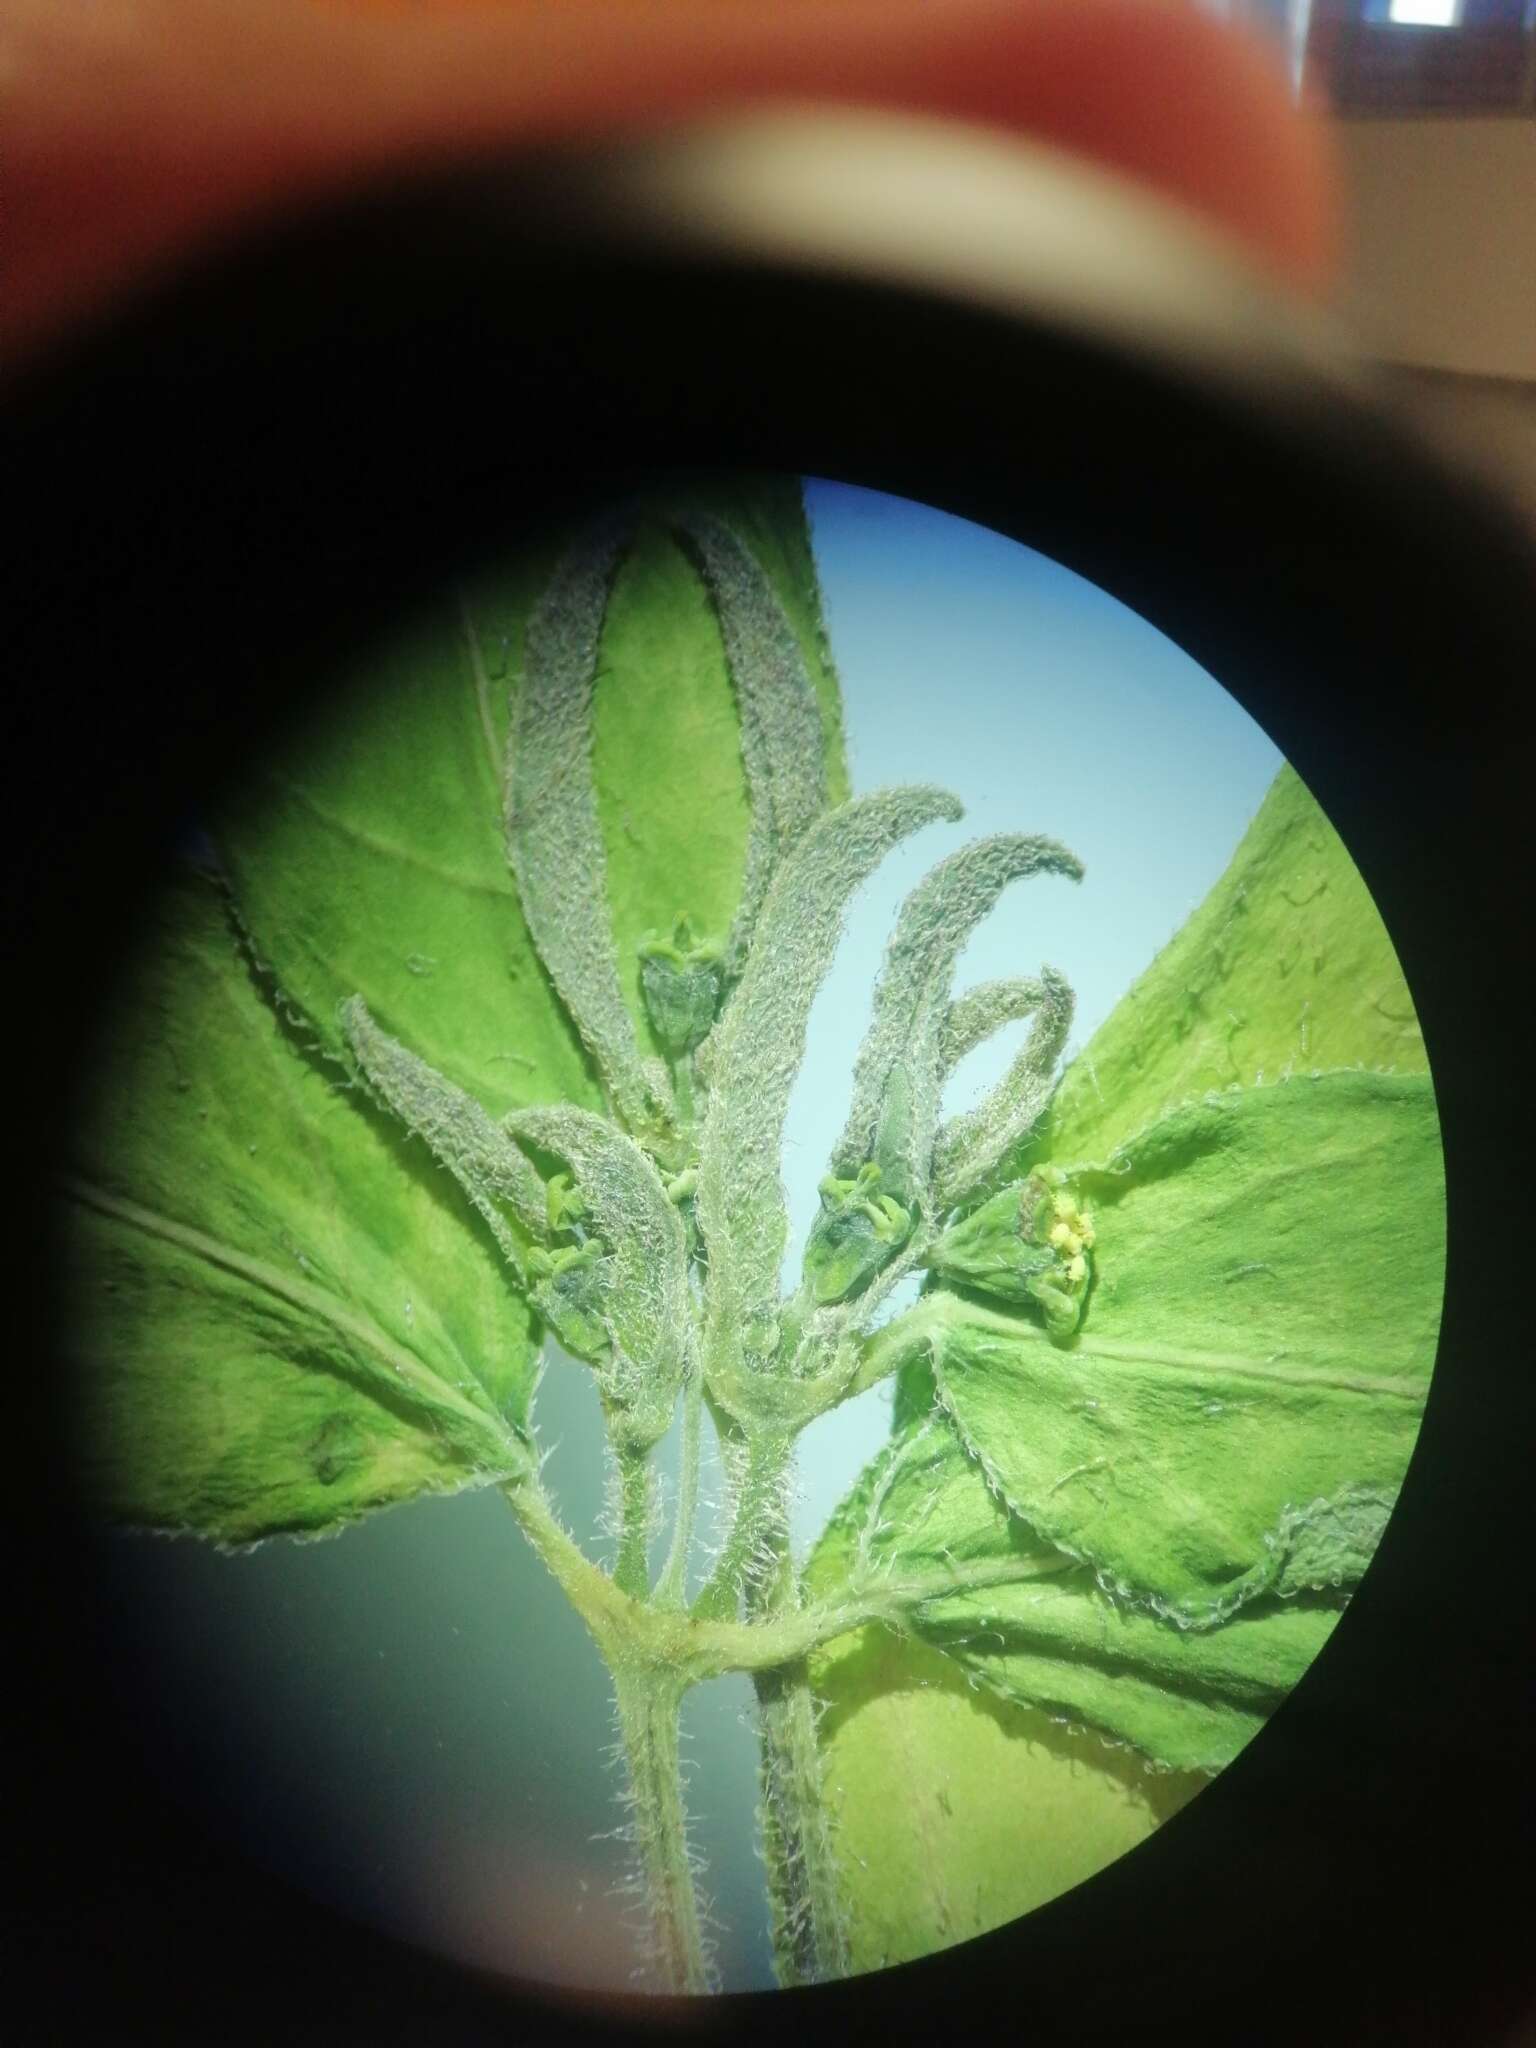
column 1441, row 275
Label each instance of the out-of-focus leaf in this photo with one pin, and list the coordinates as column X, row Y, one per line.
column 287, row 1314
column 1255, row 1352
column 955, row 1811
column 369, row 857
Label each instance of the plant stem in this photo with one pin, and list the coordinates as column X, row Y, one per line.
column 809, row 1940
column 759, row 1503
column 648, row 1706
column 671, row 1587
column 631, row 1566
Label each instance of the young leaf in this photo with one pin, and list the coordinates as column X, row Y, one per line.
column 757, row 1047
column 668, row 738
column 973, row 1017
column 909, row 1027
column 970, row 1145
column 640, row 1287
column 1187, row 1699
column 286, row 1314
column 1268, row 1268
column 368, row 853
column 554, row 839
column 781, row 736
column 495, row 1175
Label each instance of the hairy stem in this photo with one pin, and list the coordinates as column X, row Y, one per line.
column 631, row 1568
column 759, row 1503
column 670, row 1588
column 809, row 1939
column 648, row 1705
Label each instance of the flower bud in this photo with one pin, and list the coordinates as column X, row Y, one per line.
column 858, row 1232
column 682, row 981
column 1028, row 1244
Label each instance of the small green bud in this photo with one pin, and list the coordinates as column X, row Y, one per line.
column 1028, row 1244
column 569, row 1288
column 563, row 1203
column 857, row 1234
column 682, row 981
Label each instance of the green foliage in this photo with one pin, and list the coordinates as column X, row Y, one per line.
column 639, row 1272
column 909, row 1038
column 1053, row 1638
column 438, row 1061
column 1202, row 1455
column 1284, row 968
column 1207, row 1392
column 756, row 1052
column 288, row 1316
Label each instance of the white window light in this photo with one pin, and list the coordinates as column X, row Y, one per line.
column 1426, row 13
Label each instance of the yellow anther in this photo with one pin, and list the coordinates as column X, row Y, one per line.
column 1059, row 1234
column 1077, row 1269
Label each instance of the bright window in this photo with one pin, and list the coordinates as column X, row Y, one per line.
column 1426, row 13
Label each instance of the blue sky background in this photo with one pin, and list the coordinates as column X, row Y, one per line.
column 409, row 1722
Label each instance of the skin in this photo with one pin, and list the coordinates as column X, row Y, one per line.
column 138, row 132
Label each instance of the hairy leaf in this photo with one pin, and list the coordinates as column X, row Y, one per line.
column 1187, row 1699
column 641, row 1291
column 982, row 1010
column 970, row 1145
column 495, row 1175
column 368, row 853
column 1268, row 1268
column 781, row 736
column 287, row 1312
column 756, row 1049
column 554, row 838
column 909, row 1027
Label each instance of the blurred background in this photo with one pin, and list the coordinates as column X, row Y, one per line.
column 1434, row 129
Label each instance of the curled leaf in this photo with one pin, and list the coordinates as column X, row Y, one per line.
column 975, row 1016
column 758, row 1045
column 906, row 1046
column 1033, row 1626
column 970, row 1146
column 631, row 1278
column 491, row 1170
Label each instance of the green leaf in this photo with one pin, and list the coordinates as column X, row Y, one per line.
column 640, row 1284
column 755, row 1052
column 368, row 855
column 956, row 1811
column 1285, row 967
column 1054, row 1639
column 910, row 1023
column 554, row 840
column 288, row 1314
column 1268, row 1268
